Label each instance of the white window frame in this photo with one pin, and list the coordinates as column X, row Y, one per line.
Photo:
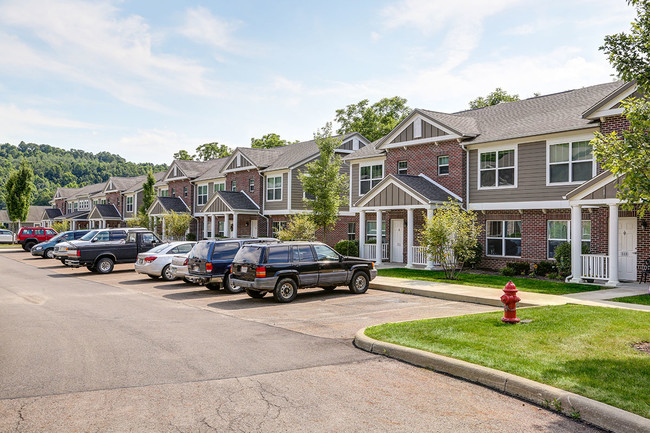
column 447, row 165
column 352, row 231
column 220, row 186
column 275, row 188
column 201, row 195
column 497, row 150
column 371, row 180
column 399, row 169
column 370, row 236
column 583, row 239
column 251, row 185
column 233, row 185
column 129, row 203
column 570, row 141
column 277, row 226
column 503, row 237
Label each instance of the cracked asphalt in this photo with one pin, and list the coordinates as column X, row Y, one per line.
column 81, row 352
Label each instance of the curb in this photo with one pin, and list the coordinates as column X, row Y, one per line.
column 591, row 411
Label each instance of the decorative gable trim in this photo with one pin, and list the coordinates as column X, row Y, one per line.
column 383, row 185
column 238, row 162
column 174, row 173
column 610, row 105
column 427, row 130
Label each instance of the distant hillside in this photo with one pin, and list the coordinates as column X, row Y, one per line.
column 55, row 167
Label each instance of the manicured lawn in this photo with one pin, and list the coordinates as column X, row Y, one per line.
column 10, row 246
column 639, row 299
column 585, row 350
column 494, row 281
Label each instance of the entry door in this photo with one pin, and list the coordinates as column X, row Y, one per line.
column 397, row 241
column 627, row 249
column 253, row 228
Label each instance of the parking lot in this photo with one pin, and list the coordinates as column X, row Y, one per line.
column 123, row 352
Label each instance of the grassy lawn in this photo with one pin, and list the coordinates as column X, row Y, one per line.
column 10, row 246
column 639, row 299
column 494, row 281
column 585, row 350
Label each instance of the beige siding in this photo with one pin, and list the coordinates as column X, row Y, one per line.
column 354, row 179
column 428, row 131
column 531, row 178
column 392, row 196
column 280, row 204
column 218, row 206
column 608, row 191
column 158, row 209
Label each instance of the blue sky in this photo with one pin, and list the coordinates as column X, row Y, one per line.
column 146, row 78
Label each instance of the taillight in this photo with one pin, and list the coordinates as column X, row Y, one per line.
column 260, row 272
column 78, row 253
column 150, row 259
column 208, row 267
column 185, row 262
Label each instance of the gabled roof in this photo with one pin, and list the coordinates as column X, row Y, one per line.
column 88, row 191
column 162, row 205
column 62, row 192
column 214, row 171
column 139, row 181
column 610, row 99
column 76, row 215
column 51, row 213
column 399, row 190
column 369, row 151
column 238, row 200
column 190, row 168
column 105, row 211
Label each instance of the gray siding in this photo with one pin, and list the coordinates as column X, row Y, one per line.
column 297, row 190
column 280, row 204
column 347, row 145
column 531, row 178
column 158, row 209
column 608, row 191
column 392, row 196
column 354, row 179
column 218, row 206
column 428, row 131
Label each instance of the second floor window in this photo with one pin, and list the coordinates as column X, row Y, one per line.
column 369, row 176
column 233, row 185
column 274, row 188
column 129, row 203
column 173, row 192
column 570, row 162
column 251, row 185
column 497, row 169
column 443, row 165
column 219, row 187
column 185, row 191
column 402, row 167
column 201, row 195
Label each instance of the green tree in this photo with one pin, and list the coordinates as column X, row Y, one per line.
column 214, row 150
column 148, row 193
column 372, row 121
column 269, row 141
column 139, row 220
column 300, row 227
column 177, row 224
column 493, row 98
column 61, row 226
column 18, row 192
column 323, row 181
column 184, row 155
column 450, row 237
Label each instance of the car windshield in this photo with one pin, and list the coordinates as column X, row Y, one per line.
column 57, row 237
column 200, row 250
column 249, row 254
column 88, row 236
column 159, row 248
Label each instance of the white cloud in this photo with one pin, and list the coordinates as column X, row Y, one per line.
column 16, row 122
column 374, row 36
column 204, row 27
column 155, row 145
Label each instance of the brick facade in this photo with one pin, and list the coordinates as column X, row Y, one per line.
column 178, row 188
column 242, row 178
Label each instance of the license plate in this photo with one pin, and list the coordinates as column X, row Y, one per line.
column 244, row 269
column 195, row 268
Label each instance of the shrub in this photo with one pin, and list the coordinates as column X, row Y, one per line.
column 563, row 257
column 300, row 227
column 520, row 268
column 508, row 272
column 543, row 268
column 554, row 276
column 475, row 260
column 190, row 237
column 347, row 248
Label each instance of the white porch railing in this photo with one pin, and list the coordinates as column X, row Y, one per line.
column 370, row 251
column 419, row 255
column 595, row 266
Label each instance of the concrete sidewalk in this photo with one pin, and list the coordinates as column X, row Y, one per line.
column 489, row 296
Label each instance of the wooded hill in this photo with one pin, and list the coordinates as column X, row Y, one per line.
column 54, row 167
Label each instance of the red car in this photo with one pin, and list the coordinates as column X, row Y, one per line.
column 30, row 236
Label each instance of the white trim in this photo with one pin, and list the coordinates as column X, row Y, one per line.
column 385, row 183
column 252, row 201
column 350, row 195
column 570, row 139
column 372, row 209
column 596, row 202
column 237, row 154
column 371, row 164
column 166, row 178
column 530, row 139
column 417, row 128
column 495, row 149
column 503, row 237
column 610, row 102
column 595, row 187
column 416, row 114
column 207, row 193
column 434, row 140
column 442, row 187
column 516, row 205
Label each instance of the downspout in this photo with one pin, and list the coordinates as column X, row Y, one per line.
column 268, row 224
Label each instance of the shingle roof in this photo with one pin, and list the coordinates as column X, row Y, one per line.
column 368, row 151
column 237, row 200
column 175, row 204
column 88, row 190
column 107, row 211
column 194, row 169
column 262, row 158
column 294, row 153
column 424, row 186
column 66, row 192
column 53, row 212
column 214, row 171
column 79, row 214
column 140, row 180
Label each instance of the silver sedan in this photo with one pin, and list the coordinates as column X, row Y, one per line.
column 157, row 261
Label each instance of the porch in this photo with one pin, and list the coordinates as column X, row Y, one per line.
column 230, row 214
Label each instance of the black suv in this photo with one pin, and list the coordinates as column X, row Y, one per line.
column 284, row 268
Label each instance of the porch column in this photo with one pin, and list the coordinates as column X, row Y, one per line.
column 72, row 224
column 612, row 240
column 576, row 244
column 429, row 265
column 378, row 240
column 213, row 222
column 362, row 233
column 226, row 225
column 409, row 238
column 155, row 225
column 234, row 226
column 205, row 226
column 163, row 228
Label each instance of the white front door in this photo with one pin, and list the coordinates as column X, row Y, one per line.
column 627, row 249
column 397, row 241
column 253, row 228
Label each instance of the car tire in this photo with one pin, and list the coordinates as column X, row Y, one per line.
column 91, row 269
column 48, row 253
column 63, row 262
column 255, row 294
column 213, row 286
column 285, row 291
column 329, row 288
column 359, row 283
column 229, row 287
column 104, row 265
column 153, row 277
column 166, row 274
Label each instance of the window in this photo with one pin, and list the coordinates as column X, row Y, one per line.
column 352, row 231
column 497, row 169
column 201, row 195
column 102, row 237
column 219, row 187
column 302, row 254
column 251, row 185
column 129, row 204
column 560, row 232
column 121, row 234
column 49, row 232
column 402, row 167
column 504, row 238
column 570, row 162
column 369, row 176
column 220, row 231
column 443, row 165
column 173, row 192
column 164, row 193
column 278, row 255
column 325, row 254
column 76, row 206
column 225, row 251
column 28, row 232
column 274, row 188
column 182, row 249
column 233, row 185
column 39, row 232
column 277, row 226
column 184, row 191
column 371, row 232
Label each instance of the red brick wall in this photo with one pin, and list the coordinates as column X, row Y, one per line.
column 335, row 234
column 614, row 123
column 424, row 159
column 178, row 187
column 115, row 198
column 242, row 178
column 61, row 204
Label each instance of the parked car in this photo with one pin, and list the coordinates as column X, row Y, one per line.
column 97, row 235
column 209, row 262
column 178, row 267
column 156, row 262
column 101, row 257
column 30, row 236
column 7, row 236
column 46, row 249
column 286, row 267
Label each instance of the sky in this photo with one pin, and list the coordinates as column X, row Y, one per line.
column 146, row 78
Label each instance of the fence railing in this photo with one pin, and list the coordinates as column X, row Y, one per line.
column 595, row 266
column 419, row 255
column 370, row 251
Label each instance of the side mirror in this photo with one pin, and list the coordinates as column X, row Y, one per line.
column 340, row 258
column 94, row 240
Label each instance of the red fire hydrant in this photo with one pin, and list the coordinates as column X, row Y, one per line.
column 510, row 300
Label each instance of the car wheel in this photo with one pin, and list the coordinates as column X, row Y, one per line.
column 213, row 286
column 255, row 294
column 153, row 277
column 167, row 274
column 229, row 287
column 285, row 291
column 329, row 288
column 63, row 262
column 48, row 254
column 105, row 265
column 359, row 283
column 91, row 268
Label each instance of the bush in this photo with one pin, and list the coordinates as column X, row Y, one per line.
column 520, row 268
column 300, row 227
column 563, row 257
column 475, row 260
column 190, row 237
column 543, row 268
column 347, row 248
column 554, row 276
column 508, row 272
